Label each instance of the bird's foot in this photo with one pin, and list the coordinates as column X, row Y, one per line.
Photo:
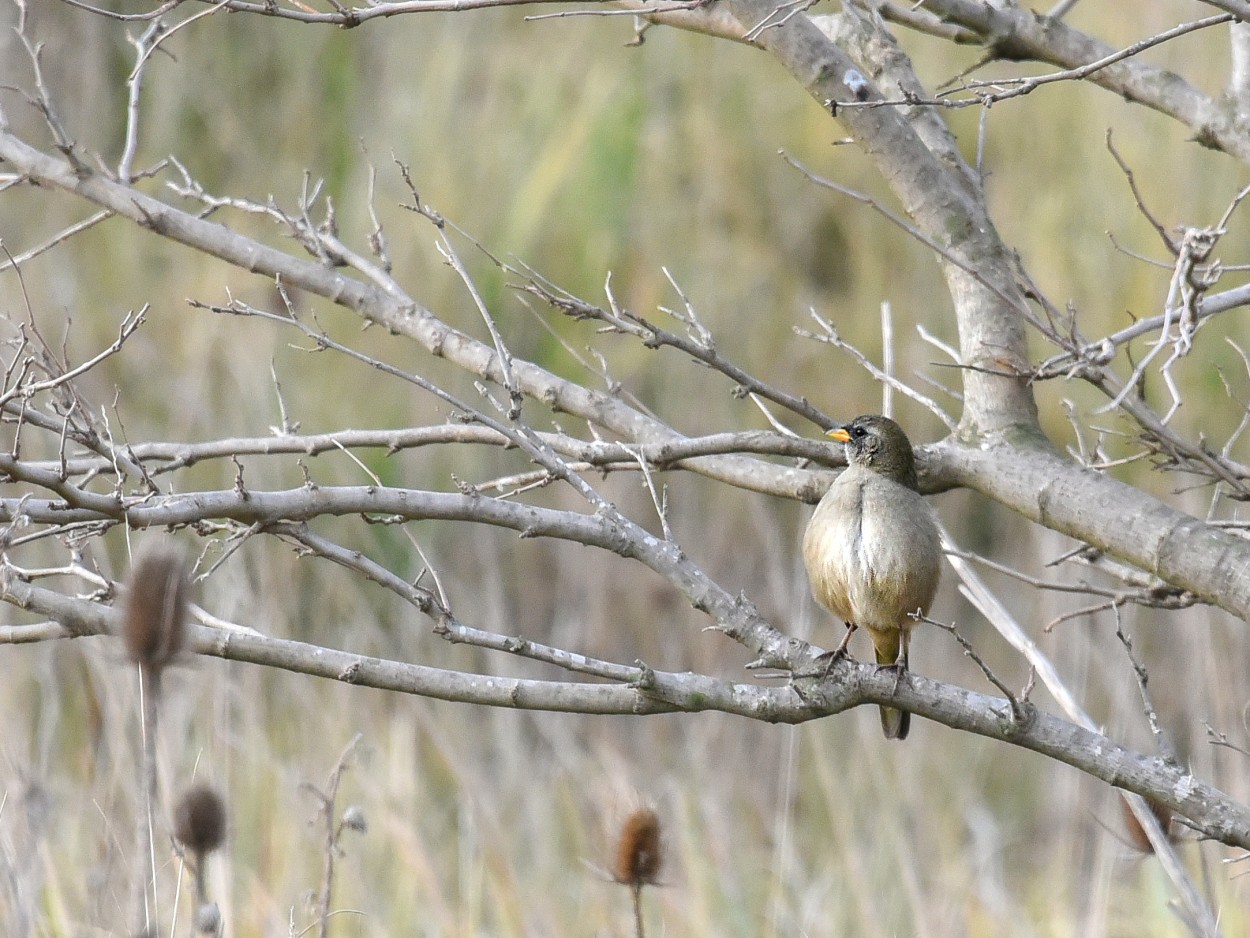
column 899, row 669
column 830, row 658
column 824, row 663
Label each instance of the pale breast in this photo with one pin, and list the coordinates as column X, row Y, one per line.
column 872, row 551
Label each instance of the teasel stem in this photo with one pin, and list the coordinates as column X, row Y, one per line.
column 153, row 630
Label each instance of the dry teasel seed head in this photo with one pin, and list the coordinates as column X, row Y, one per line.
column 200, row 820
column 639, row 855
column 156, row 608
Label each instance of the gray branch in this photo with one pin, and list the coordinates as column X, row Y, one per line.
column 848, row 685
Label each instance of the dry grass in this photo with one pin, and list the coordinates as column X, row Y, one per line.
column 554, row 143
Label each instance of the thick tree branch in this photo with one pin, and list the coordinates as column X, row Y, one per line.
column 401, row 315
column 1016, row 33
column 1082, row 514
column 917, row 156
column 733, row 614
column 848, row 685
column 161, row 458
column 1048, row 488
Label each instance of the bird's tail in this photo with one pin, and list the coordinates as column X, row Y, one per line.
column 894, row 723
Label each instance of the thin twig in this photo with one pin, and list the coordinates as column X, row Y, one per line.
column 333, row 830
column 1166, row 749
column 1021, row 709
column 831, row 335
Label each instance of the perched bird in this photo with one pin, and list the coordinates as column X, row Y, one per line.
column 872, row 549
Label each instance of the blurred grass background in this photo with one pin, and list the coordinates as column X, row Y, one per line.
column 554, row 143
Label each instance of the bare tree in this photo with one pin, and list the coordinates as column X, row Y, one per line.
column 72, row 477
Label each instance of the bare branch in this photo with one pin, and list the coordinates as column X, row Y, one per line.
column 1016, row 34
column 830, row 335
column 992, row 608
column 349, row 17
column 1206, row 808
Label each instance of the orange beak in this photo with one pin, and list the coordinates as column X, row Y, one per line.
column 839, row 434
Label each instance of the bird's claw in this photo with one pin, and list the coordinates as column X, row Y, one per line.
column 825, row 662
column 830, row 658
column 899, row 670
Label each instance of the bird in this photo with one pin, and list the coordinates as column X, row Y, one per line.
column 872, row 550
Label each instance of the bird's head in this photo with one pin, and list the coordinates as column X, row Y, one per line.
column 879, row 444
